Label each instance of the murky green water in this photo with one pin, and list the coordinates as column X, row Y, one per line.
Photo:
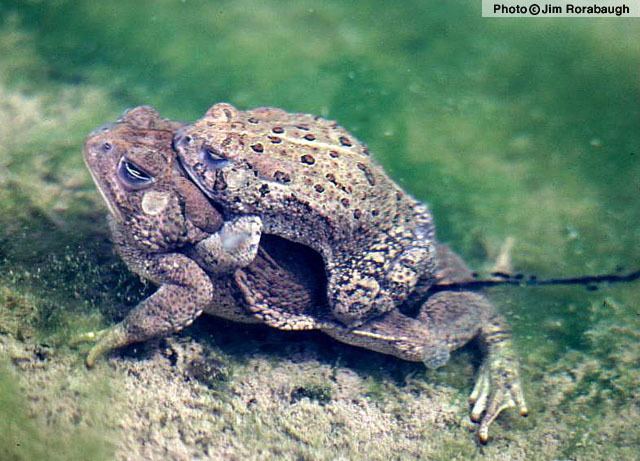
column 507, row 128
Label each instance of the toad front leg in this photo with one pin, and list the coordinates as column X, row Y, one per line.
column 234, row 246
column 185, row 289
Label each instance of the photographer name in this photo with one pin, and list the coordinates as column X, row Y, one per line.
column 603, row 8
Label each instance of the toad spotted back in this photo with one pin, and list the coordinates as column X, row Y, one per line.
column 310, row 181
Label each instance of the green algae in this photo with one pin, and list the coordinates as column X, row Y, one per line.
column 517, row 128
column 24, row 437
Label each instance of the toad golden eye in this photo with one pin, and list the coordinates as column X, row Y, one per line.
column 213, row 158
column 132, row 175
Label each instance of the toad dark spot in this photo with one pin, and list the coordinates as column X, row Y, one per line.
column 365, row 151
column 357, row 214
column 319, row 188
column 275, row 139
column 345, row 202
column 258, row 148
column 278, row 129
column 309, row 137
column 345, row 141
column 302, row 127
column 253, row 120
column 367, row 173
column 375, row 212
column 220, row 183
column 333, row 154
column 308, row 159
column 264, row 190
column 331, row 177
column 282, row 177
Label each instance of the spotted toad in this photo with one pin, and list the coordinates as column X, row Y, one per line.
column 159, row 222
column 310, row 181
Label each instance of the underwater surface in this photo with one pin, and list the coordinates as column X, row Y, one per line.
column 521, row 128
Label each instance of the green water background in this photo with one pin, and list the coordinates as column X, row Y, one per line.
column 506, row 127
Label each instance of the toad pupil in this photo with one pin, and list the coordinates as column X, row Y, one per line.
column 132, row 175
column 213, row 158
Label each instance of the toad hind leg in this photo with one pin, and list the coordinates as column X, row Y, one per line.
column 457, row 317
column 445, row 322
column 376, row 281
column 498, row 385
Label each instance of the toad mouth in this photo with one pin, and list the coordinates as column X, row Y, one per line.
column 113, row 210
column 191, row 174
column 188, row 172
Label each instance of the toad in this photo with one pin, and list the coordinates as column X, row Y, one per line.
column 160, row 221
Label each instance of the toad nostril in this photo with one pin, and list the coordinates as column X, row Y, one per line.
column 106, row 146
column 180, row 140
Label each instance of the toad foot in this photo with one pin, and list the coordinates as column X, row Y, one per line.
column 105, row 340
column 497, row 388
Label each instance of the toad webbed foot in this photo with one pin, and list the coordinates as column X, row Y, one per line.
column 454, row 318
column 497, row 385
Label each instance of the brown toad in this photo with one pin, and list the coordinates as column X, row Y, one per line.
column 311, row 182
column 164, row 243
column 154, row 211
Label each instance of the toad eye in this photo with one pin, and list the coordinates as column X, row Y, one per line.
column 213, row 158
column 132, row 175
